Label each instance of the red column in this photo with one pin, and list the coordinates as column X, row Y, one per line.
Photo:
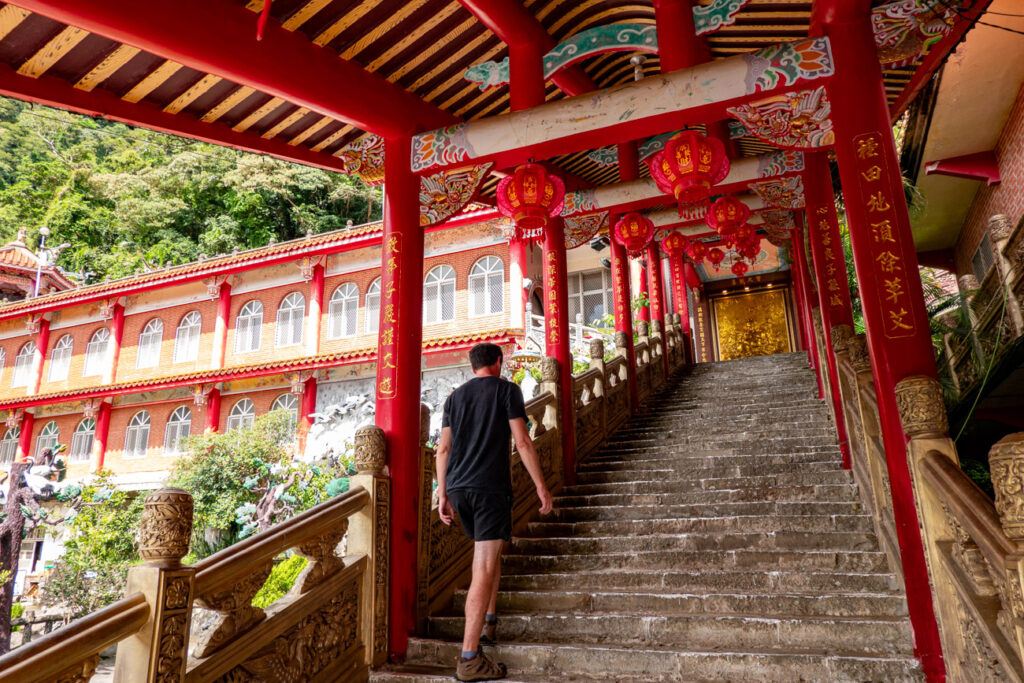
column 25, row 438
column 677, row 273
column 621, row 296
column 657, row 293
column 518, row 256
column 898, row 332
column 116, row 337
column 399, row 346
column 213, row 411
column 220, row 330
column 556, row 335
column 526, row 75
column 798, row 306
column 806, row 300
column 679, row 46
column 42, row 345
column 316, row 309
column 830, row 271
column 307, row 407
column 101, row 436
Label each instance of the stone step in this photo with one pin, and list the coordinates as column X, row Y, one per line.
column 807, row 560
column 875, row 635
column 703, row 511
column 564, row 662
column 695, row 470
column 858, row 604
column 688, row 480
column 704, row 580
column 700, row 459
column 768, row 489
column 843, row 493
column 717, row 524
column 713, row 540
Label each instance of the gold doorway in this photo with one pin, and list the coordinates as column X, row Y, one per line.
column 752, row 324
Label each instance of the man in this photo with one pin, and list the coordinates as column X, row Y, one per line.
column 473, row 480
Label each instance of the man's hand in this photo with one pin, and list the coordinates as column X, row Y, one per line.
column 546, row 504
column 444, row 509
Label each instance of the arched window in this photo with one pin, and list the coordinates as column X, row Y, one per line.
column 60, row 358
column 487, row 286
column 341, row 314
column 290, row 315
column 373, row 306
column 23, row 365
column 179, row 426
column 47, row 438
column 136, row 438
column 149, row 344
column 81, row 440
column 9, row 445
column 290, row 404
column 242, row 415
column 248, row 327
column 96, row 353
column 439, row 295
column 186, row 338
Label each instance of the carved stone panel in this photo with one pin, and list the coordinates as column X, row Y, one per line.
column 1006, row 461
column 370, row 450
column 166, row 527
column 922, row 410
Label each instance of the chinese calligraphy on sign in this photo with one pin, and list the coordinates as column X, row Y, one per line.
column 886, row 252
column 387, row 379
column 551, row 320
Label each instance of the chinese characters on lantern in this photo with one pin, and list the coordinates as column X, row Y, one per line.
column 886, row 254
column 387, row 351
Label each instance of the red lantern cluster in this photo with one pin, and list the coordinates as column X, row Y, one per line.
column 634, row 232
column 697, row 250
column 727, row 216
column 687, row 167
column 675, row 243
column 716, row 256
column 531, row 197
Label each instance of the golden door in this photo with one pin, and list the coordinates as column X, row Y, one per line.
column 752, row 324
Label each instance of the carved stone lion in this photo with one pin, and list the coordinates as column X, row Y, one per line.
column 597, row 348
column 999, row 227
column 840, row 337
column 642, row 328
column 166, row 527
column 621, row 340
column 922, row 410
column 548, row 369
column 370, row 450
column 1006, row 460
column 857, row 347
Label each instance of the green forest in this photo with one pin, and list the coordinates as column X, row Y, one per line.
column 127, row 199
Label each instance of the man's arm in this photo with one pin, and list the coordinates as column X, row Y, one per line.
column 444, row 447
column 528, row 454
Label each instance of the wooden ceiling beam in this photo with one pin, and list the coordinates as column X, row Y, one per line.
column 102, row 71
column 58, row 46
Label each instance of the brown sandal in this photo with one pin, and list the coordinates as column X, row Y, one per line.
column 489, row 635
column 480, row 668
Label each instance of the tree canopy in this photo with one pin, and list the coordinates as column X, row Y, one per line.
column 126, row 198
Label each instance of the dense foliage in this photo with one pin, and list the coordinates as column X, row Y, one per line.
column 127, row 198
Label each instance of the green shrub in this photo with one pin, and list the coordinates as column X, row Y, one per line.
column 280, row 581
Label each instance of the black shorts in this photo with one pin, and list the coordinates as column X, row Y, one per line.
column 484, row 516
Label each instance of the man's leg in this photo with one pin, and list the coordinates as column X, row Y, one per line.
column 486, row 569
column 492, row 606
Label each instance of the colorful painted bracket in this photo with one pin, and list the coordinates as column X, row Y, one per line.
column 795, row 120
column 445, row 193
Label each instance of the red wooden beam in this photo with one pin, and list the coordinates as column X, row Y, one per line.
column 219, row 37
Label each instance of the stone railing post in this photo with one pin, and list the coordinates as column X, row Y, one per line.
column 621, row 351
column 1006, row 460
column 600, row 388
column 549, row 373
column 969, row 283
column 158, row 651
column 643, row 332
column 1001, row 230
column 368, row 535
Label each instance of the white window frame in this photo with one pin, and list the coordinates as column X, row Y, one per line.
column 150, row 340
column 179, row 427
column 438, row 285
column 136, row 436
column 372, row 322
column 343, row 311
column 242, row 415
column 49, row 437
column 291, row 317
column 577, row 297
column 9, row 445
column 288, row 402
column 249, row 327
column 186, row 337
column 487, row 272
column 97, row 352
column 23, row 363
column 60, row 358
column 81, row 441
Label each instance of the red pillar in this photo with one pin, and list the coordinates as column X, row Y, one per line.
column 28, row 421
column 316, row 310
column 116, row 337
column 42, row 345
column 399, row 346
column 798, row 306
column 621, row 297
column 526, row 75
column 898, row 333
column 677, row 273
column 657, row 292
column 220, row 330
column 830, row 271
column 806, row 300
column 101, row 435
column 213, row 411
column 518, row 269
column 679, row 46
column 556, row 335
column 307, row 407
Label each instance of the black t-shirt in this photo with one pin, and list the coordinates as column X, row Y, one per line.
column 478, row 413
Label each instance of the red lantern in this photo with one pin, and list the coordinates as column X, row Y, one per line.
column 716, row 255
column 697, row 250
column 750, row 250
column 727, row 215
column 740, row 268
column 744, row 233
column 634, row 232
column 530, row 197
column 675, row 243
column 688, row 166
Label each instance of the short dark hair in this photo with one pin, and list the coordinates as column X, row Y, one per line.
column 484, row 355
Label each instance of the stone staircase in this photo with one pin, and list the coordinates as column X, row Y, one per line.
column 715, row 537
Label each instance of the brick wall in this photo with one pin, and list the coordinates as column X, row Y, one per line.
column 171, row 317
column 1006, row 197
column 154, row 460
column 80, row 336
